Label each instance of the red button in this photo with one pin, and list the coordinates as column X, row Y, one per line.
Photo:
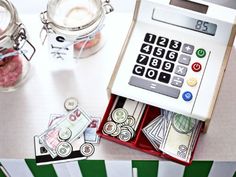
column 196, row 67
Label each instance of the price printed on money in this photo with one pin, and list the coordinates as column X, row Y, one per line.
column 58, row 137
column 174, row 134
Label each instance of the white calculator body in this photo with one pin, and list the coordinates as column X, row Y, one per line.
column 175, row 55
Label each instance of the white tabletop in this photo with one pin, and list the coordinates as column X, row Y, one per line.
column 25, row 113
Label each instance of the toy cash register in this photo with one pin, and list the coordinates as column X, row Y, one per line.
column 174, row 58
column 175, row 55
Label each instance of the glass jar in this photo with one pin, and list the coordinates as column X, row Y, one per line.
column 80, row 22
column 15, row 49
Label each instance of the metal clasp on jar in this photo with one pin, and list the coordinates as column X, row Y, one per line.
column 107, row 6
column 46, row 27
column 21, row 43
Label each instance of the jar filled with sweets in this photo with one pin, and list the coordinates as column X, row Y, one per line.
column 15, row 50
column 78, row 22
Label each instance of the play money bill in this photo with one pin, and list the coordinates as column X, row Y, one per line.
column 68, row 129
column 180, row 137
column 90, row 134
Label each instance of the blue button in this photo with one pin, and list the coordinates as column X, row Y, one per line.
column 187, row 96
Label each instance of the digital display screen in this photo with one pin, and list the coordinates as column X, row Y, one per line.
column 181, row 20
column 197, row 7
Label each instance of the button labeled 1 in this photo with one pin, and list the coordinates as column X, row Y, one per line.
column 196, row 67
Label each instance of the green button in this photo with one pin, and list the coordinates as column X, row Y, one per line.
column 201, row 53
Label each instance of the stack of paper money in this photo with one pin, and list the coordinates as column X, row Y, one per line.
column 69, row 136
column 174, row 134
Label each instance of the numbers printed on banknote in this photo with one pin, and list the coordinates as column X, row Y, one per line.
column 74, row 122
column 174, row 134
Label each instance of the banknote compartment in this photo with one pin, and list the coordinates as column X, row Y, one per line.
column 140, row 141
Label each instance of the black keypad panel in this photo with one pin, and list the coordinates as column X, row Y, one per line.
column 162, row 63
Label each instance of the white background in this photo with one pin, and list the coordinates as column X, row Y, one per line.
column 27, row 110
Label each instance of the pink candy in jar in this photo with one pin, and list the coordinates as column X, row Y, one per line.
column 10, row 70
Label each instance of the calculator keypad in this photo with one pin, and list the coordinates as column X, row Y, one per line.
column 162, row 65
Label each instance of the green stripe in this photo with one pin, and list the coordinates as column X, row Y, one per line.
column 234, row 174
column 198, row 169
column 92, row 168
column 1, row 173
column 147, row 168
column 40, row 171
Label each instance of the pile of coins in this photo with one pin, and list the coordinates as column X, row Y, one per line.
column 120, row 125
column 59, row 133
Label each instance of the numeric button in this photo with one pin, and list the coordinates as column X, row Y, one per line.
column 171, row 55
column 138, row 70
column 167, row 66
column 164, row 77
column 146, row 48
column 175, row 45
column 150, row 38
column 162, row 41
column 159, row 52
column 151, row 74
column 155, row 63
column 142, row 59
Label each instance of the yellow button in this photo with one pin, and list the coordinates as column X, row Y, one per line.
column 192, row 81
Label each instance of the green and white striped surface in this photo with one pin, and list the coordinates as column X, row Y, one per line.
column 101, row 168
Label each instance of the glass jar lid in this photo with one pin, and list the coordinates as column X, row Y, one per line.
column 7, row 15
column 74, row 14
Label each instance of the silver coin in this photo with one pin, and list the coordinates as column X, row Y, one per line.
column 87, row 149
column 71, row 103
column 130, row 121
column 64, row 134
column 119, row 115
column 64, row 149
column 130, row 129
column 118, row 130
column 109, row 127
column 125, row 135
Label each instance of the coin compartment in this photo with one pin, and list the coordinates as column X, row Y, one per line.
column 140, row 142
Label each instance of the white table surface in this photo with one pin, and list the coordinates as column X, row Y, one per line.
column 25, row 113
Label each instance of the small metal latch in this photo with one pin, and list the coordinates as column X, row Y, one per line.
column 20, row 40
column 45, row 29
column 107, row 6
